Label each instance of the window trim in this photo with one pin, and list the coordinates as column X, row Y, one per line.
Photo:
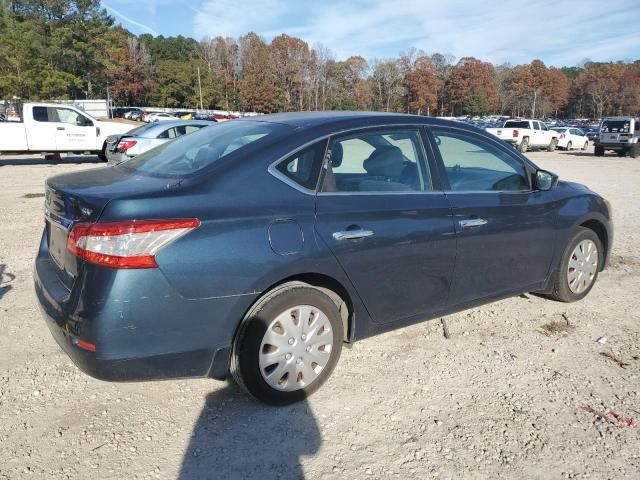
column 271, row 169
column 529, row 168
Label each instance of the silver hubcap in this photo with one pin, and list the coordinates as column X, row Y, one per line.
column 583, row 265
column 295, row 348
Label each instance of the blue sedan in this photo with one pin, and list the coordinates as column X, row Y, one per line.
column 257, row 248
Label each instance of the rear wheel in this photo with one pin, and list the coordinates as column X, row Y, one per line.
column 598, row 151
column 569, row 145
column 579, row 267
column 524, row 145
column 586, row 145
column 554, row 143
column 288, row 345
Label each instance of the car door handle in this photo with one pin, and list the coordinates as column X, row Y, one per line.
column 352, row 234
column 472, row 222
column 60, row 128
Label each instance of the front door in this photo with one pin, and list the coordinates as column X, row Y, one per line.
column 505, row 231
column 391, row 232
column 74, row 131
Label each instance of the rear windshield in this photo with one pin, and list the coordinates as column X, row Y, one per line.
column 192, row 153
column 616, row 126
column 142, row 129
column 516, row 124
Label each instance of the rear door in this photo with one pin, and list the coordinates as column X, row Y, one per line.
column 387, row 225
column 505, row 231
column 41, row 133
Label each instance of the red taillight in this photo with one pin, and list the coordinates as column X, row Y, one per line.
column 130, row 244
column 84, row 345
column 125, row 145
column 515, row 134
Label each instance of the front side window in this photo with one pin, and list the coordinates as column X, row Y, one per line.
column 377, row 162
column 71, row 117
column 543, row 126
column 304, row 166
column 473, row 164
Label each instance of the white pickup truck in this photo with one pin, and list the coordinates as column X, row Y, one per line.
column 525, row 134
column 49, row 128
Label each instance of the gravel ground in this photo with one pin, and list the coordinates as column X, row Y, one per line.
column 515, row 393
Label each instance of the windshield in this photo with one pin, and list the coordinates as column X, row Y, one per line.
column 616, row 126
column 192, row 153
column 516, row 124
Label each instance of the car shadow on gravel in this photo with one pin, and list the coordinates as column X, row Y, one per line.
column 5, row 280
column 19, row 160
column 237, row 437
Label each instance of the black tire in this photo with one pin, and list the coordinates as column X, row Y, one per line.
column 569, row 145
column 622, row 153
column 102, row 153
column 524, row 145
column 552, row 146
column 244, row 367
column 561, row 290
column 586, row 145
column 598, row 151
column 635, row 150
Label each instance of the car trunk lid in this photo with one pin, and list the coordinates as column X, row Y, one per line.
column 82, row 197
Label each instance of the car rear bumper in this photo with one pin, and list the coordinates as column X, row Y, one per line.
column 615, row 146
column 114, row 158
column 142, row 329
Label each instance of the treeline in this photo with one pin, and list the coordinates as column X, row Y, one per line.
column 52, row 49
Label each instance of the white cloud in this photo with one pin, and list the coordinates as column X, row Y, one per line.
column 513, row 31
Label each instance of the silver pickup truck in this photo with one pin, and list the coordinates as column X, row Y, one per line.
column 620, row 134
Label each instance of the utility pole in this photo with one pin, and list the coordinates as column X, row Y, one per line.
column 109, row 109
column 200, row 89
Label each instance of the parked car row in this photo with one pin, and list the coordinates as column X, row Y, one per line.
column 141, row 115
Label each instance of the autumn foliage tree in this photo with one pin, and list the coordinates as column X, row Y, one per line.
column 473, row 79
column 51, row 49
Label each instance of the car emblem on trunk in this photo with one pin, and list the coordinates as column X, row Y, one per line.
column 86, row 211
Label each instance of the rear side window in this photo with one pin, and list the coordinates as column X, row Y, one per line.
column 473, row 164
column 191, row 153
column 304, row 167
column 385, row 161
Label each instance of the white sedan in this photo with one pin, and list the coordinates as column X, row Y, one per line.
column 157, row 117
column 572, row 137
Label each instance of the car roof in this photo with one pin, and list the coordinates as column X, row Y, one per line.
column 352, row 119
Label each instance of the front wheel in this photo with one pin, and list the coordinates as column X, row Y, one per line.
column 288, row 345
column 102, row 154
column 598, row 151
column 586, row 145
column 569, row 145
column 579, row 267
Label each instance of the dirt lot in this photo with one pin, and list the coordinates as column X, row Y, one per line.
column 515, row 393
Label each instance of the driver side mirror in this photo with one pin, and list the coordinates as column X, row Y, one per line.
column 545, row 180
column 83, row 121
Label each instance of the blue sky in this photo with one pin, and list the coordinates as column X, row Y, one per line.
column 516, row 31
